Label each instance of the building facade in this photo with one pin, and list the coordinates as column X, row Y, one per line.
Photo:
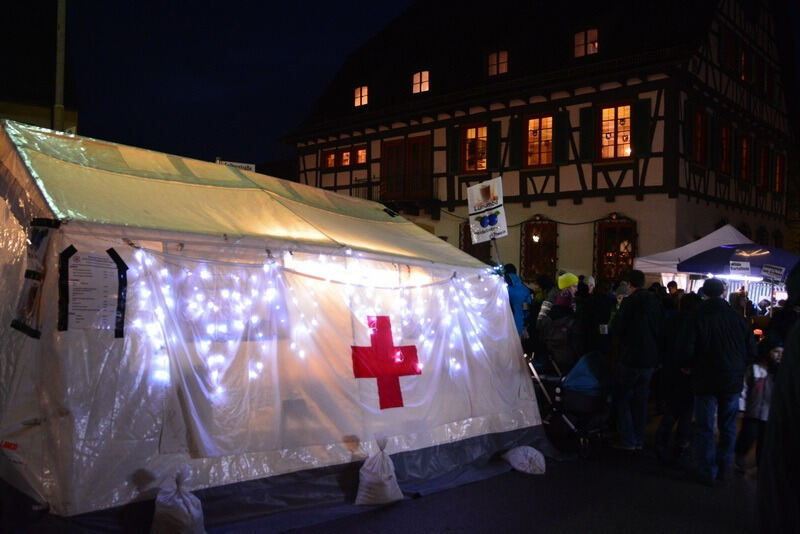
column 619, row 129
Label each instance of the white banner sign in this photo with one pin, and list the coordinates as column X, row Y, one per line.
column 487, row 217
column 93, row 286
column 238, row 165
column 772, row 272
column 740, row 267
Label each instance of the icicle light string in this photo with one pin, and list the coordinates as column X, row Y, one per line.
column 180, row 263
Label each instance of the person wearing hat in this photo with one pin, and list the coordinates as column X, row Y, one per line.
column 636, row 325
column 716, row 344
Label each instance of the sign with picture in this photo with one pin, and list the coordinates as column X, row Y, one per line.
column 487, row 217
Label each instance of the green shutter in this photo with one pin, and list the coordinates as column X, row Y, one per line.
column 588, row 135
column 562, row 132
column 493, row 146
column 454, row 150
column 688, row 121
column 640, row 114
column 515, row 143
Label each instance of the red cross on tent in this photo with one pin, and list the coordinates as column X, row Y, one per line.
column 384, row 361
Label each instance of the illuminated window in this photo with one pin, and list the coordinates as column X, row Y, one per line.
column 498, row 63
column 538, row 249
column 746, row 156
column 725, row 149
column 361, row 156
column 615, row 141
column 329, row 158
column 475, row 148
column 361, row 96
column 345, row 158
column 763, row 167
column 420, row 82
column 699, row 136
column 779, row 165
column 615, row 247
column 586, row 43
column 540, row 141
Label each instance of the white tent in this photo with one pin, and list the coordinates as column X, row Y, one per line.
column 667, row 261
column 171, row 314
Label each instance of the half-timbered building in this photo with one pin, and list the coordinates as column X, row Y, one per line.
column 619, row 128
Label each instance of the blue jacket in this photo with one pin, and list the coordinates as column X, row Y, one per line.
column 518, row 294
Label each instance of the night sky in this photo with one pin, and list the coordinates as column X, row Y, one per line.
column 199, row 79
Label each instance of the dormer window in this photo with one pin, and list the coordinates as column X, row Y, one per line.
column 360, row 96
column 420, row 82
column 498, row 63
column 586, row 43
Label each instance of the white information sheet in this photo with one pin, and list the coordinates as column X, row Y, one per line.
column 93, row 289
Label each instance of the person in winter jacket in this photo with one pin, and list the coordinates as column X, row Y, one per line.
column 779, row 470
column 519, row 296
column 677, row 386
column 717, row 345
column 636, row 325
column 759, row 381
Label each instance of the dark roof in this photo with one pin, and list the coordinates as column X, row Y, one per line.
column 452, row 40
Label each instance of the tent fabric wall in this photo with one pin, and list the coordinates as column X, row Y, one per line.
column 234, row 362
column 667, row 261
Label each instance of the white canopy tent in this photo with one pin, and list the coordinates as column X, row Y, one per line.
column 667, row 261
column 160, row 314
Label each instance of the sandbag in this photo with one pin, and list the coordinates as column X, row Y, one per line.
column 526, row 459
column 178, row 511
column 377, row 483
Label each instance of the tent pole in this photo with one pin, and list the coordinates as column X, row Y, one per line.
column 497, row 251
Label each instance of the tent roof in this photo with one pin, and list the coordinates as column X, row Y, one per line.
column 89, row 180
column 667, row 261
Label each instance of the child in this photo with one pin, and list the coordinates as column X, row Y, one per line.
column 759, row 380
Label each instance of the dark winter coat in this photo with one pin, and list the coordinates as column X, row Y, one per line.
column 779, row 470
column 717, row 345
column 637, row 324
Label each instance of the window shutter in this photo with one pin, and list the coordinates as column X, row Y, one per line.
column 588, row 134
column 709, row 138
column 454, row 150
column 562, row 132
column 515, row 143
column 688, row 130
column 771, row 171
column 736, row 151
column 493, row 146
column 721, row 52
column 641, row 127
column 714, row 145
column 753, row 162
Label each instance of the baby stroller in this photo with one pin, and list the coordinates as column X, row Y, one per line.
column 575, row 406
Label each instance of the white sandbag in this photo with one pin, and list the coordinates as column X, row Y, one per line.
column 526, row 459
column 178, row 511
column 377, row 483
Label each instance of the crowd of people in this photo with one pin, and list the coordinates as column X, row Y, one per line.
column 693, row 358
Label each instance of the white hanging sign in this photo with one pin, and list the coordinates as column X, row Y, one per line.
column 93, row 286
column 740, row 267
column 487, row 217
column 772, row 272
